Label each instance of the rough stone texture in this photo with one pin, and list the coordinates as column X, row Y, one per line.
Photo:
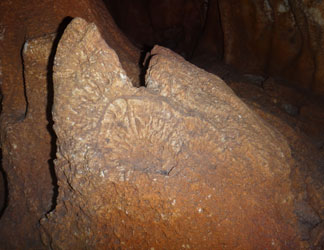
column 307, row 173
column 25, row 139
column 20, row 21
column 182, row 163
column 29, row 175
column 269, row 98
column 292, row 113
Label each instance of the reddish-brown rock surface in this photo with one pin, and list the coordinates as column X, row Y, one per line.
column 26, row 149
column 194, row 190
column 182, row 163
column 26, row 105
column 285, row 109
column 20, row 21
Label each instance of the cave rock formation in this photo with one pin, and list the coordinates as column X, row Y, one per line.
column 29, row 33
column 180, row 163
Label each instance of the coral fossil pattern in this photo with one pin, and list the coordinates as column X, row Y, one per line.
column 182, row 163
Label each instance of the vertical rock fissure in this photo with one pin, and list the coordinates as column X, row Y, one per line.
column 5, row 188
column 49, row 116
column 144, row 62
column 23, row 76
column 3, row 176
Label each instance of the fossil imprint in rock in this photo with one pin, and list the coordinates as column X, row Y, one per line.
column 182, row 162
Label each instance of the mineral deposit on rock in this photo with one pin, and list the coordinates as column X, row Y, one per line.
column 182, row 163
column 27, row 169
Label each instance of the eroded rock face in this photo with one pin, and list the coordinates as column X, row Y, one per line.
column 26, row 143
column 36, row 19
column 274, row 102
column 181, row 163
column 276, row 37
column 29, row 177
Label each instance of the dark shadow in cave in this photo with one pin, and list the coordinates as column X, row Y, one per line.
column 4, row 196
column 5, row 188
column 23, row 77
column 143, row 63
column 50, row 100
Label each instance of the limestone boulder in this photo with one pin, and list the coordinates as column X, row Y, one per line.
column 182, row 163
column 27, row 46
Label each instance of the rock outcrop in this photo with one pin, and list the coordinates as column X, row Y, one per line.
column 284, row 108
column 26, row 149
column 182, row 163
column 28, row 34
column 179, row 163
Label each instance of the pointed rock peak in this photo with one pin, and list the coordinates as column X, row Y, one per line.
column 81, row 47
column 87, row 74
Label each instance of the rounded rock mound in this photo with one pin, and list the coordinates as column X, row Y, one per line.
column 182, row 163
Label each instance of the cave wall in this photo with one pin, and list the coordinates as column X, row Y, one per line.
column 28, row 37
column 176, row 24
column 277, row 38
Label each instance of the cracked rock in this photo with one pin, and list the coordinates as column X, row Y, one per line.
column 182, row 162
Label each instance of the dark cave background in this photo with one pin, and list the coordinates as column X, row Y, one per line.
column 178, row 25
column 266, row 38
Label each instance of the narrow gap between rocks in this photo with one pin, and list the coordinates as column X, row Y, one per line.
column 5, row 195
column 49, row 117
column 23, row 77
column 143, row 64
column 3, row 179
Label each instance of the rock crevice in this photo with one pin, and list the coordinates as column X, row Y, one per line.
column 183, row 157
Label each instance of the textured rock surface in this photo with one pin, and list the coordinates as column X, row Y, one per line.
column 182, row 163
column 276, row 37
column 44, row 17
column 269, row 99
column 25, row 164
column 25, row 139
